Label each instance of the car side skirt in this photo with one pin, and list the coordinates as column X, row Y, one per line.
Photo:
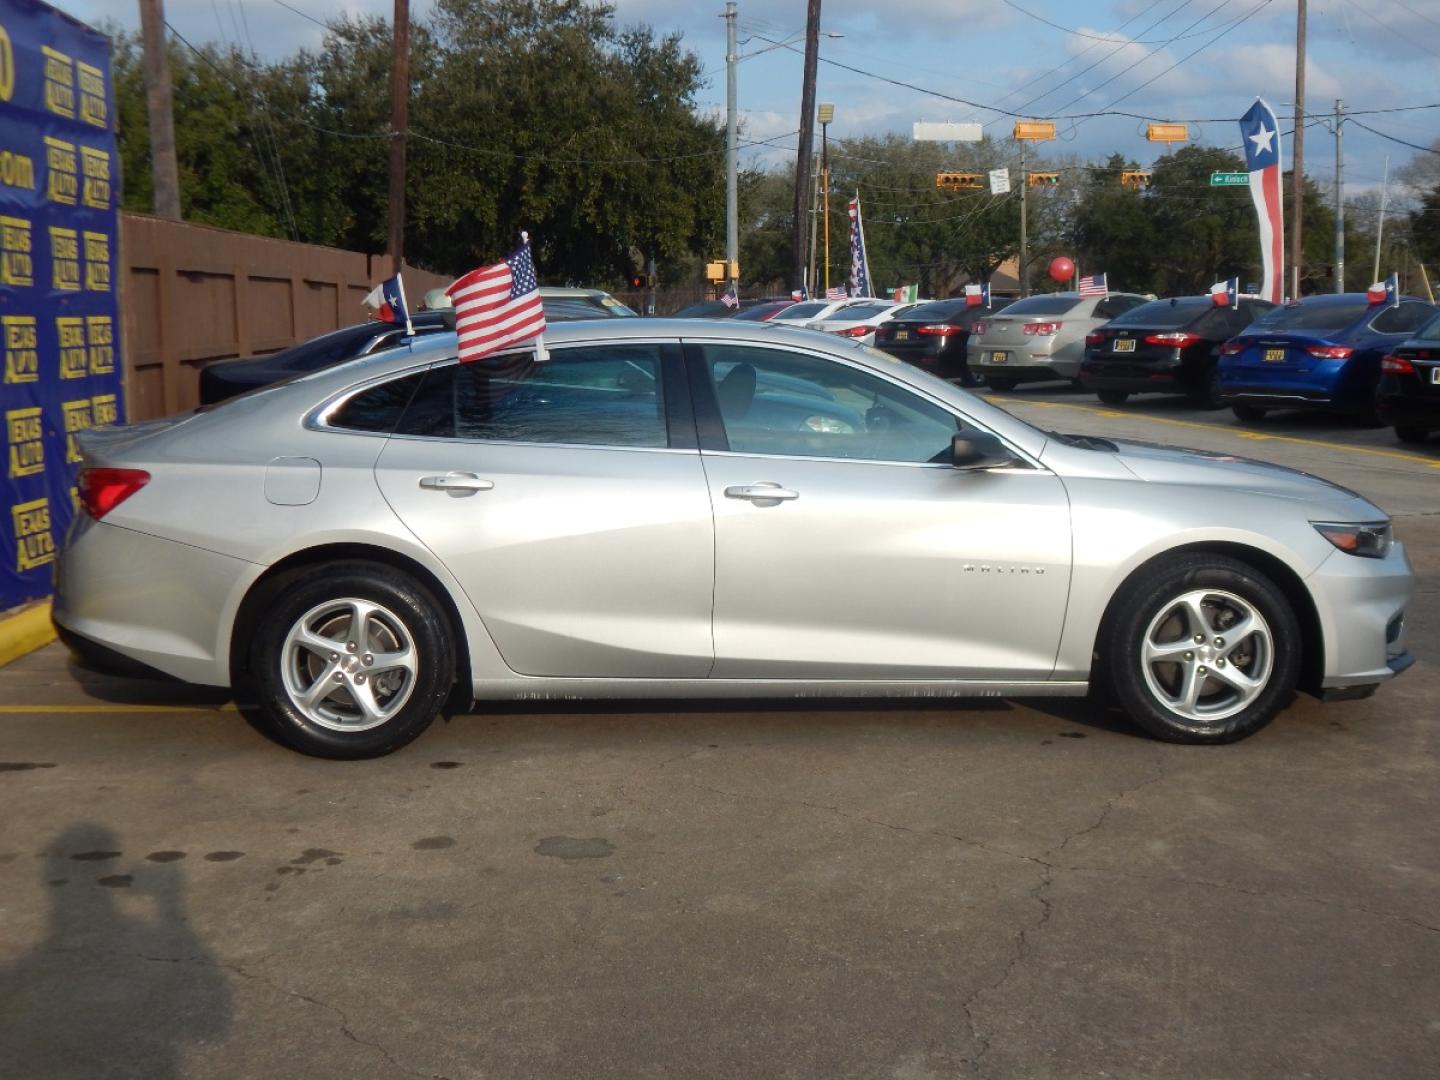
column 538, row 689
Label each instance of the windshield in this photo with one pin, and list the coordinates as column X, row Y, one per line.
column 1054, row 304
column 1333, row 315
column 1165, row 313
column 858, row 311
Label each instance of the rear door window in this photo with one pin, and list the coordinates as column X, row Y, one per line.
column 602, row 395
column 1405, row 319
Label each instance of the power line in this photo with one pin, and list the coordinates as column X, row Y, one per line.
column 1392, row 138
column 1390, row 29
column 1101, row 37
column 304, row 14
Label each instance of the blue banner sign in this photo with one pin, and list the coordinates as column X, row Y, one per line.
column 59, row 243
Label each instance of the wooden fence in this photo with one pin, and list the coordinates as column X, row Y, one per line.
column 192, row 294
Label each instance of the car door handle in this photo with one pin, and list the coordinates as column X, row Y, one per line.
column 765, row 491
column 456, row 484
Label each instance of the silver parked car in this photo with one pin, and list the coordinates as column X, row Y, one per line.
column 1041, row 337
column 682, row 509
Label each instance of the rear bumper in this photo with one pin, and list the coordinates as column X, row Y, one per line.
column 1026, row 362
column 1276, row 400
column 125, row 596
column 1106, row 374
column 1403, row 411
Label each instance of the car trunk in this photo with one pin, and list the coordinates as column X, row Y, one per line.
column 1425, row 383
column 1287, row 352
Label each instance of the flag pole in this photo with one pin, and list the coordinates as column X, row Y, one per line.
column 409, row 326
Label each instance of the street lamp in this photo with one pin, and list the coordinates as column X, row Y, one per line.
column 826, row 114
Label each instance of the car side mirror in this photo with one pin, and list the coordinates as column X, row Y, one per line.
column 974, row 451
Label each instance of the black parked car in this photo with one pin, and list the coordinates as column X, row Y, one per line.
column 231, row 377
column 1408, row 397
column 934, row 336
column 716, row 309
column 1165, row 346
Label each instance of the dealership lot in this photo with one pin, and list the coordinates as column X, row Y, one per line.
column 903, row 889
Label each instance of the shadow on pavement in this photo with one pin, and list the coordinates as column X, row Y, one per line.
column 121, row 982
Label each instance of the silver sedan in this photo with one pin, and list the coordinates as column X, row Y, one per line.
column 683, row 510
column 1041, row 337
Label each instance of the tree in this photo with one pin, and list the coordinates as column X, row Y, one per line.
column 1115, row 228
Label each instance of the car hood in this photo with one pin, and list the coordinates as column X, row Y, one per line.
column 1178, row 465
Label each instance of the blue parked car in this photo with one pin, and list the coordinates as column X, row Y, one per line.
column 1320, row 352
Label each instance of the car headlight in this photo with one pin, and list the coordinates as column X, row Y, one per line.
column 1368, row 539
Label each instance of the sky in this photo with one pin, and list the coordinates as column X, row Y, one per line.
column 1195, row 60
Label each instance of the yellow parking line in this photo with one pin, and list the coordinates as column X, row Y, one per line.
column 1397, row 455
column 99, row 707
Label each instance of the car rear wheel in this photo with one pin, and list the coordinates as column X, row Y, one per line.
column 1250, row 414
column 351, row 663
column 1412, row 434
column 1112, row 397
column 1207, row 394
column 1002, row 383
column 1202, row 649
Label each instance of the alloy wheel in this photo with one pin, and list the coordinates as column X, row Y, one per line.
column 349, row 664
column 1207, row 655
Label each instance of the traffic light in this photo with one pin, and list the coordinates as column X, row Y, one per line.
column 959, row 181
column 1135, row 179
column 637, row 281
column 1044, row 179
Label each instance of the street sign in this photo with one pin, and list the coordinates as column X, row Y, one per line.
column 999, row 181
column 1229, row 179
column 926, row 131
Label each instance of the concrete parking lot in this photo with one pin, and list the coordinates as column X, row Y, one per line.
column 906, row 890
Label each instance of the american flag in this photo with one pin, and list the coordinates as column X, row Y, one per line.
column 497, row 305
column 1094, row 285
column 729, row 299
column 835, row 292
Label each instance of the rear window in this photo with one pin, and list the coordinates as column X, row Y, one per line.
column 1166, row 313
column 858, row 311
column 1043, row 305
column 1303, row 316
column 938, row 311
column 805, row 311
column 1430, row 331
column 761, row 312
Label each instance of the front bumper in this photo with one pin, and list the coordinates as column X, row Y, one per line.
column 154, row 602
column 1361, row 605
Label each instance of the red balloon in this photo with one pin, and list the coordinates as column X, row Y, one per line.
column 1062, row 269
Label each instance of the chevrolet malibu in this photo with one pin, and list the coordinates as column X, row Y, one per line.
column 682, row 509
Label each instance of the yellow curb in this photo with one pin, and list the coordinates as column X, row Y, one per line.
column 25, row 631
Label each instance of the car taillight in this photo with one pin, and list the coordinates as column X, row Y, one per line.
column 1396, row 365
column 1233, row 348
column 978, row 329
column 1042, row 329
column 1177, row 339
column 853, row 331
column 1095, row 339
column 938, row 330
column 1329, row 352
column 101, row 490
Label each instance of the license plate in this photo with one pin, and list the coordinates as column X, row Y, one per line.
column 1125, row 345
column 902, row 335
column 1274, row 356
column 999, row 357
column 1435, row 374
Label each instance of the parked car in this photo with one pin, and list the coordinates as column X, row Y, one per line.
column 934, row 336
column 859, row 321
column 763, row 312
column 777, row 513
column 1165, row 346
column 807, row 311
column 1319, row 352
column 717, row 309
column 1040, row 337
column 1409, row 393
column 230, row 377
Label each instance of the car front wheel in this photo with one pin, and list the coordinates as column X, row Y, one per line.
column 1202, row 649
column 352, row 660
column 1412, row 434
column 1250, row 414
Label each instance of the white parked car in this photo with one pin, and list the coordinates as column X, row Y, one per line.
column 859, row 321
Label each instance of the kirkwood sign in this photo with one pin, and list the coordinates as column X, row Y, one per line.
column 59, row 325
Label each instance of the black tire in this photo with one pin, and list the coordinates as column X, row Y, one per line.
column 1112, row 397
column 1408, row 434
column 1002, row 383
column 1207, row 394
column 407, row 608
column 1154, row 591
column 1250, row 414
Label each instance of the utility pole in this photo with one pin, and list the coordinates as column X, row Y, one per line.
column 161, row 111
column 399, row 112
column 807, row 134
column 1297, row 194
column 1024, row 226
column 827, row 114
column 732, row 203
column 1339, row 199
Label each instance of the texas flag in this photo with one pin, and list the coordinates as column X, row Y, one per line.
column 1225, row 293
column 1385, row 292
column 1261, row 135
column 977, row 295
column 387, row 300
